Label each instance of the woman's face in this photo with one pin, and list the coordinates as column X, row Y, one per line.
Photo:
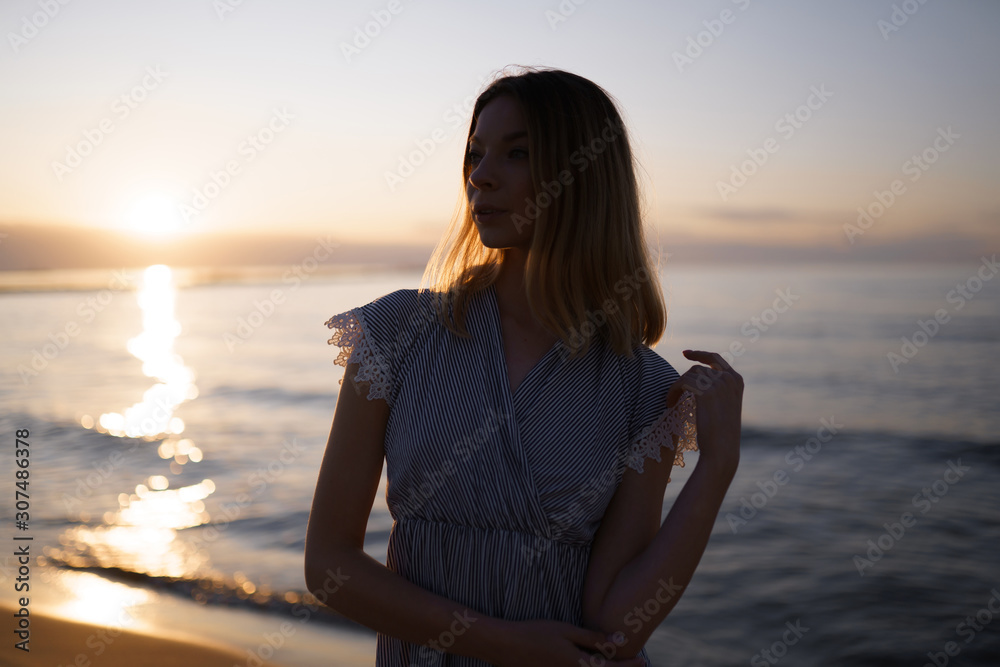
column 500, row 176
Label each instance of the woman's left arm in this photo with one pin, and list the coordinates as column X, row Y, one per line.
column 637, row 570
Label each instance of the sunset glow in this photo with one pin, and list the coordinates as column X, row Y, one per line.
column 759, row 135
column 154, row 215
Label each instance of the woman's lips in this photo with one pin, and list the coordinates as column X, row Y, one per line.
column 484, row 217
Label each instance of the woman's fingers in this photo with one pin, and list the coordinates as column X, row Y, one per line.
column 697, row 375
column 591, row 639
column 713, row 359
column 595, row 640
column 717, row 365
column 701, row 378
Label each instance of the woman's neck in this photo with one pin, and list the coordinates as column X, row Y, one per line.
column 512, row 296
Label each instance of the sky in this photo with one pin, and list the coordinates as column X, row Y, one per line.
column 756, row 123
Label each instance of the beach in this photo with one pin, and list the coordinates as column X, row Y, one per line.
column 863, row 513
column 82, row 619
column 55, row 641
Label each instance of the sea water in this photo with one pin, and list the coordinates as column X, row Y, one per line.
column 176, row 432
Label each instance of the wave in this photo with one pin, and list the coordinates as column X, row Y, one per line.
column 221, row 590
column 268, row 395
column 780, row 438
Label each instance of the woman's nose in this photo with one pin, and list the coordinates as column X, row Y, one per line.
column 481, row 177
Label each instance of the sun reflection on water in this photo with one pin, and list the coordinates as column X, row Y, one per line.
column 141, row 535
column 93, row 599
column 155, row 348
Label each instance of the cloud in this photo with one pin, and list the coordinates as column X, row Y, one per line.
column 746, row 214
column 42, row 246
column 772, row 215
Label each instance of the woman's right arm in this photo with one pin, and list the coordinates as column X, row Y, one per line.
column 362, row 588
column 359, row 587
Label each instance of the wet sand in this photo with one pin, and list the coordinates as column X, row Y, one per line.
column 79, row 619
column 57, row 642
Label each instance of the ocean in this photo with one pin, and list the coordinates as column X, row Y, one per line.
column 176, row 428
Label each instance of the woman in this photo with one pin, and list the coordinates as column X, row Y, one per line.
column 521, row 413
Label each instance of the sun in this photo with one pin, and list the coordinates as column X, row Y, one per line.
column 155, row 215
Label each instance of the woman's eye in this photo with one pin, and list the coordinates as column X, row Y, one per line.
column 474, row 157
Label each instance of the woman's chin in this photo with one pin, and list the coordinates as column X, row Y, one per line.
column 490, row 239
column 500, row 238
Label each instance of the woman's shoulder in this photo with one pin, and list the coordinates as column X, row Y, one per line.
column 654, row 423
column 646, row 365
column 399, row 301
column 380, row 336
column 411, row 310
column 650, row 376
column 394, row 319
column 400, row 310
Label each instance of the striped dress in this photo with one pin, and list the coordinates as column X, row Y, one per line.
column 496, row 498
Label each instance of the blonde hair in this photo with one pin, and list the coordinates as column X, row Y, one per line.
column 588, row 268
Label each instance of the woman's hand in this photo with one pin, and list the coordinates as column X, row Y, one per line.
column 544, row 643
column 718, row 393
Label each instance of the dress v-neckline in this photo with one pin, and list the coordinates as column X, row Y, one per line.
column 505, row 370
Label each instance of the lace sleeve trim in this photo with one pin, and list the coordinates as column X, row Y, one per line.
column 678, row 420
column 355, row 348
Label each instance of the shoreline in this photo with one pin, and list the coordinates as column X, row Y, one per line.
column 81, row 619
column 56, row 641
